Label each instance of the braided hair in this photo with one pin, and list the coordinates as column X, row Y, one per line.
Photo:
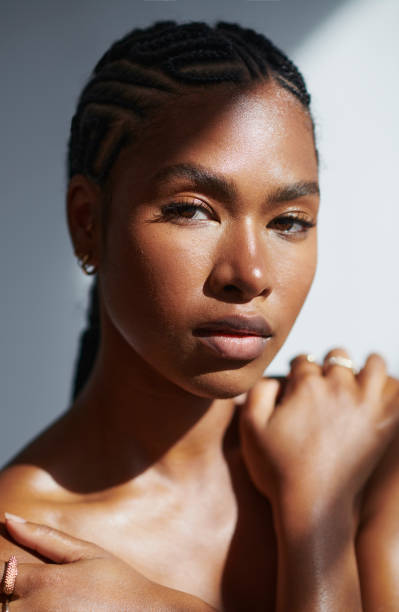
column 143, row 71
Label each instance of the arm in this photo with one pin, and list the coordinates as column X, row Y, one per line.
column 100, row 580
column 330, row 548
column 377, row 543
column 378, row 560
column 317, row 568
column 311, row 453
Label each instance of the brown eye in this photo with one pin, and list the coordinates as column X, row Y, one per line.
column 291, row 224
column 190, row 212
column 185, row 211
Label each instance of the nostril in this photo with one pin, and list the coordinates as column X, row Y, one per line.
column 230, row 288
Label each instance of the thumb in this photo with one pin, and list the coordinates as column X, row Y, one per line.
column 260, row 403
column 50, row 543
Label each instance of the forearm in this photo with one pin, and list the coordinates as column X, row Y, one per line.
column 377, row 547
column 317, row 568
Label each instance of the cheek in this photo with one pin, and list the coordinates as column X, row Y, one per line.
column 174, row 270
column 154, row 283
column 295, row 276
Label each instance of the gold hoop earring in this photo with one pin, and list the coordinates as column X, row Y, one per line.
column 86, row 266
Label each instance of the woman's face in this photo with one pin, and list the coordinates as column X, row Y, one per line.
column 210, row 248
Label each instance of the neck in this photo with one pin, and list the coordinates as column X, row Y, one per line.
column 139, row 420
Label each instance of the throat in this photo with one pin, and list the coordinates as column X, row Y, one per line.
column 123, row 443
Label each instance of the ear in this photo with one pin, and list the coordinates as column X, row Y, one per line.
column 84, row 201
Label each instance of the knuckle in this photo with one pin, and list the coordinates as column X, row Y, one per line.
column 302, row 357
column 343, row 392
column 309, row 382
column 376, row 360
column 43, row 531
column 336, row 351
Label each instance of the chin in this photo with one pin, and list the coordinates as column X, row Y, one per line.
column 224, row 384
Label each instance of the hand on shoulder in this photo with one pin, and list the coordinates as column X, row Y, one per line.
column 320, row 438
column 20, row 494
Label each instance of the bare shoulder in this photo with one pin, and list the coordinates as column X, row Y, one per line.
column 28, row 486
column 21, row 493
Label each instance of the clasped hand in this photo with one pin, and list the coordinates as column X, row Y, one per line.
column 320, row 440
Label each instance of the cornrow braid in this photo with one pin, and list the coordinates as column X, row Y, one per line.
column 148, row 66
column 140, row 73
column 272, row 58
column 89, row 343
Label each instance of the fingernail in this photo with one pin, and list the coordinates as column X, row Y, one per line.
column 14, row 517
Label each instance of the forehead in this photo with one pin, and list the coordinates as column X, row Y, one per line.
column 264, row 132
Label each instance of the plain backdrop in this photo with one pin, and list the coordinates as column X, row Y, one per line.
column 349, row 54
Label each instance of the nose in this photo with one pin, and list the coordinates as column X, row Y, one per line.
column 241, row 271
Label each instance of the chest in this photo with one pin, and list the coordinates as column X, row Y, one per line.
column 220, row 548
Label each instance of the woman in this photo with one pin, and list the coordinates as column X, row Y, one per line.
column 193, row 195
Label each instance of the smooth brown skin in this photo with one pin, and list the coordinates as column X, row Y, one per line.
column 147, row 464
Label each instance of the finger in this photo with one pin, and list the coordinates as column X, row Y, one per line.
column 9, row 575
column 239, row 400
column 302, row 365
column 260, row 402
column 51, row 543
column 338, row 371
column 391, row 390
column 373, row 376
column 29, row 575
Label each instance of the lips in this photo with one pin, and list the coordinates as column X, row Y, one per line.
column 235, row 337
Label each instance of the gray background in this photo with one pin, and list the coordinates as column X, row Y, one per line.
column 47, row 49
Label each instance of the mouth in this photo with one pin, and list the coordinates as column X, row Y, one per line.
column 235, row 337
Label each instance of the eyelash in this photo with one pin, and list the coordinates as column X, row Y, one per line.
column 174, row 211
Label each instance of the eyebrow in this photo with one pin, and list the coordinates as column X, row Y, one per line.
column 225, row 189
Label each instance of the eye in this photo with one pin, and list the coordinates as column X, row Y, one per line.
column 185, row 212
column 292, row 224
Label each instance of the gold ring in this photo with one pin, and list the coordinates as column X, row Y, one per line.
column 343, row 362
column 10, row 576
